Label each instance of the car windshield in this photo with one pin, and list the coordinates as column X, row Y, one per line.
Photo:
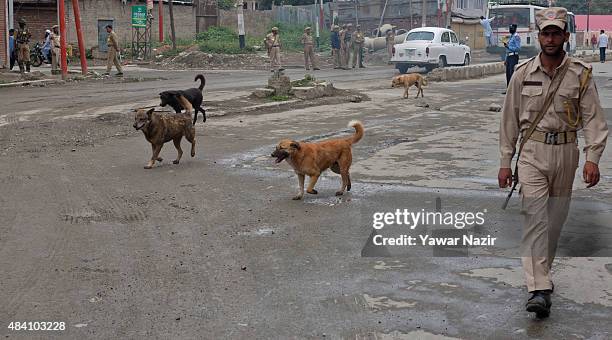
column 423, row 35
column 506, row 16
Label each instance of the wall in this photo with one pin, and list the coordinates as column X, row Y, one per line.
column 256, row 23
column 38, row 17
column 92, row 10
column 475, row 33
column 3, row 35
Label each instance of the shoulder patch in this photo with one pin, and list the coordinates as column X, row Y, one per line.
column 581, row 62
column 524, row 63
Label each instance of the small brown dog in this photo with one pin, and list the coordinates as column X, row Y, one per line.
column 408, row 80
column 161, row 128
column 313, row 158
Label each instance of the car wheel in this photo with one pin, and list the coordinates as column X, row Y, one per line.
column 466, row 60
column 442, row 62
column 402, row 68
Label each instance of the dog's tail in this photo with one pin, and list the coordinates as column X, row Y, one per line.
column 424, row 82
column 359, row 131
column 202, row 81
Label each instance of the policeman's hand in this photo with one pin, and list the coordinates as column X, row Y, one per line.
column 504, row 177
column 590, row 174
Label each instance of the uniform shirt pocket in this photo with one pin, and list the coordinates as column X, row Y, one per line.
column 567, row 105
column 532, row 97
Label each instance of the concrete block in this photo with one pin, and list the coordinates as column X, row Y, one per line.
column 263, row 92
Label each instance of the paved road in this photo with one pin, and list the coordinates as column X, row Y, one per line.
column 216, row 248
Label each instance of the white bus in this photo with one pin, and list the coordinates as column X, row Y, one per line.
column 522, row 13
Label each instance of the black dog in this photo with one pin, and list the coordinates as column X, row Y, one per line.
column 193, row 95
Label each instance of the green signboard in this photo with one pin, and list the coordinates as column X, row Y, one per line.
column 139, row 16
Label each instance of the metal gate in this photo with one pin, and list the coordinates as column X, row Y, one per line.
column 207, row 14
column 102, row 34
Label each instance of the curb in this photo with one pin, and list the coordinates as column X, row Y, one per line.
column 31, row 82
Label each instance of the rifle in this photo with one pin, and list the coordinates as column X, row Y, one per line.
column 549, row 99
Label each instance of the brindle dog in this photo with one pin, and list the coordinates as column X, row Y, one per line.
column 161, row 128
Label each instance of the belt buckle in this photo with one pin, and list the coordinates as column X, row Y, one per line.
column 552, row 138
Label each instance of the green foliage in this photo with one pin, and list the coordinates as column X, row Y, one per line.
column 226, row 4
column 580, row 6
column 308, row 80
column 223, row 40
column 278, row 98
column 292, row 34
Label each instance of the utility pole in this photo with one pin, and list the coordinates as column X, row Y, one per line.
column 449, row 12
column 410, row 10
column 172, row 32
column 588, row 17
column 160, row 9
column 62, row 26
column 382, row 16
column 356, row 12
column 77, row 22
column 241, row 32
column 10, row 14
column 424, row 13
column 316, row 3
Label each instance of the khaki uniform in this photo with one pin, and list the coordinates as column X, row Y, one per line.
column 55, row 53
column 113, row 50
column 274, row 45
column 309, row 55
column 390, row 39
column 357, row 43
column 546, row 171
column 345, row 47
column 22, row 38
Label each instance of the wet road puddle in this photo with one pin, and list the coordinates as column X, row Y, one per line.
column 594, row 270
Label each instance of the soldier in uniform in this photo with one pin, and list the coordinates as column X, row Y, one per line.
column 23, row 36
column 513, row 46
column 55, row 50
column 113, row 50
column 347, row 37
column 335, row 45
column 357, row 42
column 309, row 55
column 342, row 48
column 548, row 154
column 390, row 39
column 273, row 43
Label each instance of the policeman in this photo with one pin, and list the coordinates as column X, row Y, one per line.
column 309, row 55
column 390, row 40
column 357, row 43
column 113, row 50
column 513, row 46
column 550, row 97
column 345, row 46
column 273, row 43
column 55, row 49
column 23, row 36
column 335, row 45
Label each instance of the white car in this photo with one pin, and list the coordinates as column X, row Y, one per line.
column 430, row 47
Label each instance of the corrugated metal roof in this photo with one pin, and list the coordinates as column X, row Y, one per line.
column 596, row 22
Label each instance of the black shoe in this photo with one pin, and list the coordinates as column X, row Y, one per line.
column 281, row 69
column 120, row 74
column 316, row 69
column 539, row 303
column 361, row 66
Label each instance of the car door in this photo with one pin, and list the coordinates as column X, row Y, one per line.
column 445, row 47
column 456, row 50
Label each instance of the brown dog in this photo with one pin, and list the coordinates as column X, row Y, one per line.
column 408, row 80
column 313, row 158
column 161, row 128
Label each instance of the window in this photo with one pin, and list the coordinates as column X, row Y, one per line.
column 506, row 16
column 454, row 38
column 445, row 37
column 423, row 35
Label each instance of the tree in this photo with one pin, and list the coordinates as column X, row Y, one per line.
column 581, row 7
